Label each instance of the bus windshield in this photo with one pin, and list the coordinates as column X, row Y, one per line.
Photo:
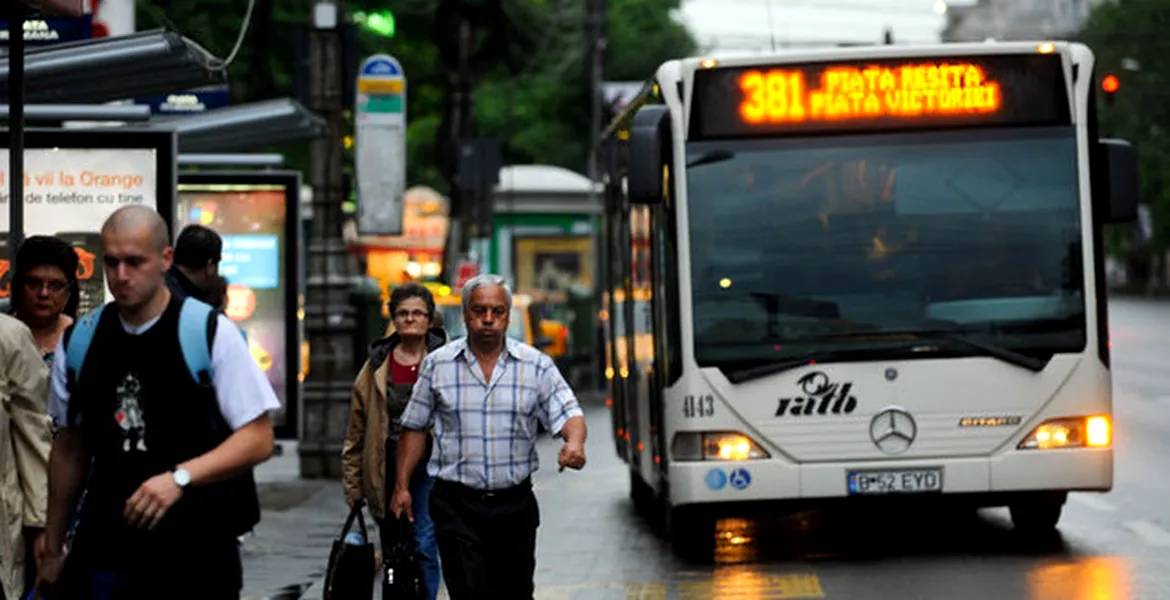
column 804, row 246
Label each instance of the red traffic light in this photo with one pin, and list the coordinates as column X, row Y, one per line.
column 1110, row 84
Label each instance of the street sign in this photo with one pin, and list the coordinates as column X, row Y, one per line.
column 188, row 102
column 380, row 145
column 55, row 30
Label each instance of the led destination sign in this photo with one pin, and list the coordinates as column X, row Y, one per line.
column 780, row 96
column 879, row 94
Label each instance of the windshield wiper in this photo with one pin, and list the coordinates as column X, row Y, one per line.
column 711, row 157
column 772, row 368
column 765, row 370
column 1007, row 355
column 958, row 333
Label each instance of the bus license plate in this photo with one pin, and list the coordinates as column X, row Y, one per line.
column 910, row 481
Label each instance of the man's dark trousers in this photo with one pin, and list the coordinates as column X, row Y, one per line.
column 487, row 540
column 204, row 571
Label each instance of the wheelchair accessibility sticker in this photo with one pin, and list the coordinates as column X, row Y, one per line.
column 716, row 479
column 740, row 479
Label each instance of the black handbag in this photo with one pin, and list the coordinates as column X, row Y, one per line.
column 349, row 575
column 401, row 574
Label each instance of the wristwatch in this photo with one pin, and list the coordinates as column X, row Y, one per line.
column 182, row 477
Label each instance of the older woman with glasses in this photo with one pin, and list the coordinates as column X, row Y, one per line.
column 44, row 296
column 44, row 289
column 380, row 393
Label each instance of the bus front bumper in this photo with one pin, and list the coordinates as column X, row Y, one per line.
column 1008, row 474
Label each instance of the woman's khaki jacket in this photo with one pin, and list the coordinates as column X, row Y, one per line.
column 375, row 407
column 25, row 441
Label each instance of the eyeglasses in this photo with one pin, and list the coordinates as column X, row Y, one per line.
column 417, row 314
column 56, row 286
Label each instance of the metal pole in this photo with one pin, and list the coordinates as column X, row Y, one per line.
column 329, row 316
column 463, row 130
column 462, row 225
column 596, row 22
column 16, row 132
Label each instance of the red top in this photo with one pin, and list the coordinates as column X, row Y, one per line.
column 402, row 374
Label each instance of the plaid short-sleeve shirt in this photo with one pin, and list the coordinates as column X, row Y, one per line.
column 485, row 431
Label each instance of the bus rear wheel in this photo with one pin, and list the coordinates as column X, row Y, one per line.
column 1039, row 514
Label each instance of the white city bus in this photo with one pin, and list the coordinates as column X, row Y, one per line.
column 861, row 272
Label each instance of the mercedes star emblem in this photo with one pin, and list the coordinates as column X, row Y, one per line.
column 893, row 430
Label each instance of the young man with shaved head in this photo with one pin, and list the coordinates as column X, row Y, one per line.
column 168, row 455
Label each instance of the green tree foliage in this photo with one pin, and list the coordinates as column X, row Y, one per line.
column 532, row 90
column 1129, row 40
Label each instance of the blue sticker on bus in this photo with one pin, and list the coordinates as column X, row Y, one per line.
column 716, row 479
column 740, row 479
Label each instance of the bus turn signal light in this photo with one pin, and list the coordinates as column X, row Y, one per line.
column 1100, row 431
column 1076, row 432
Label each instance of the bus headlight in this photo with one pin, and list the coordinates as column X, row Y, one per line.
column 715, row 445
column 1076, row 432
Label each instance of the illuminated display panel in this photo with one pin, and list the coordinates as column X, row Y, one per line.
column 885, row 94
column 251, row 213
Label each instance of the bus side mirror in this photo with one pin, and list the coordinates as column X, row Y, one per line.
column 649, row 153
column 1121, row 168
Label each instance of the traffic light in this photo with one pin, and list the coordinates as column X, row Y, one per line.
column 1110, row 84
column 380, row 22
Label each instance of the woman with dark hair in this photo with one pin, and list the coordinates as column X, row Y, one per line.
column 45, row 295
column 380, row 394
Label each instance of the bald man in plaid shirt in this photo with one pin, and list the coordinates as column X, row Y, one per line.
column 484, row 395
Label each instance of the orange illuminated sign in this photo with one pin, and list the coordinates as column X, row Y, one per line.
column 879, row 94
column 779, row 96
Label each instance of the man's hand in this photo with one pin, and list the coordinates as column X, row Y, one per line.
column 152, row 500
column 401, row 503
column 49, row 561
column 572, row 456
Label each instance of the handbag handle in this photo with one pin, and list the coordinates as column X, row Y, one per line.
column 355, row 513
column 405, row 528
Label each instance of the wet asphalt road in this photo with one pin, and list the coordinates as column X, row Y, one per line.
column 1114, row 546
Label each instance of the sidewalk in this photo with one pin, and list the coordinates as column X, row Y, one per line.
column 286, row 557
column 300, row 519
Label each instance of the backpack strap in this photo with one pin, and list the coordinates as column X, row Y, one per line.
column 77, row 341
column 197, row 324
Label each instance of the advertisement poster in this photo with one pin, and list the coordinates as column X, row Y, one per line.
column 251, row 219
column 70, row 193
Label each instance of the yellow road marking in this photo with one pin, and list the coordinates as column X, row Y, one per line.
column 752, row 585
column 646, row 591
column 744, row 585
